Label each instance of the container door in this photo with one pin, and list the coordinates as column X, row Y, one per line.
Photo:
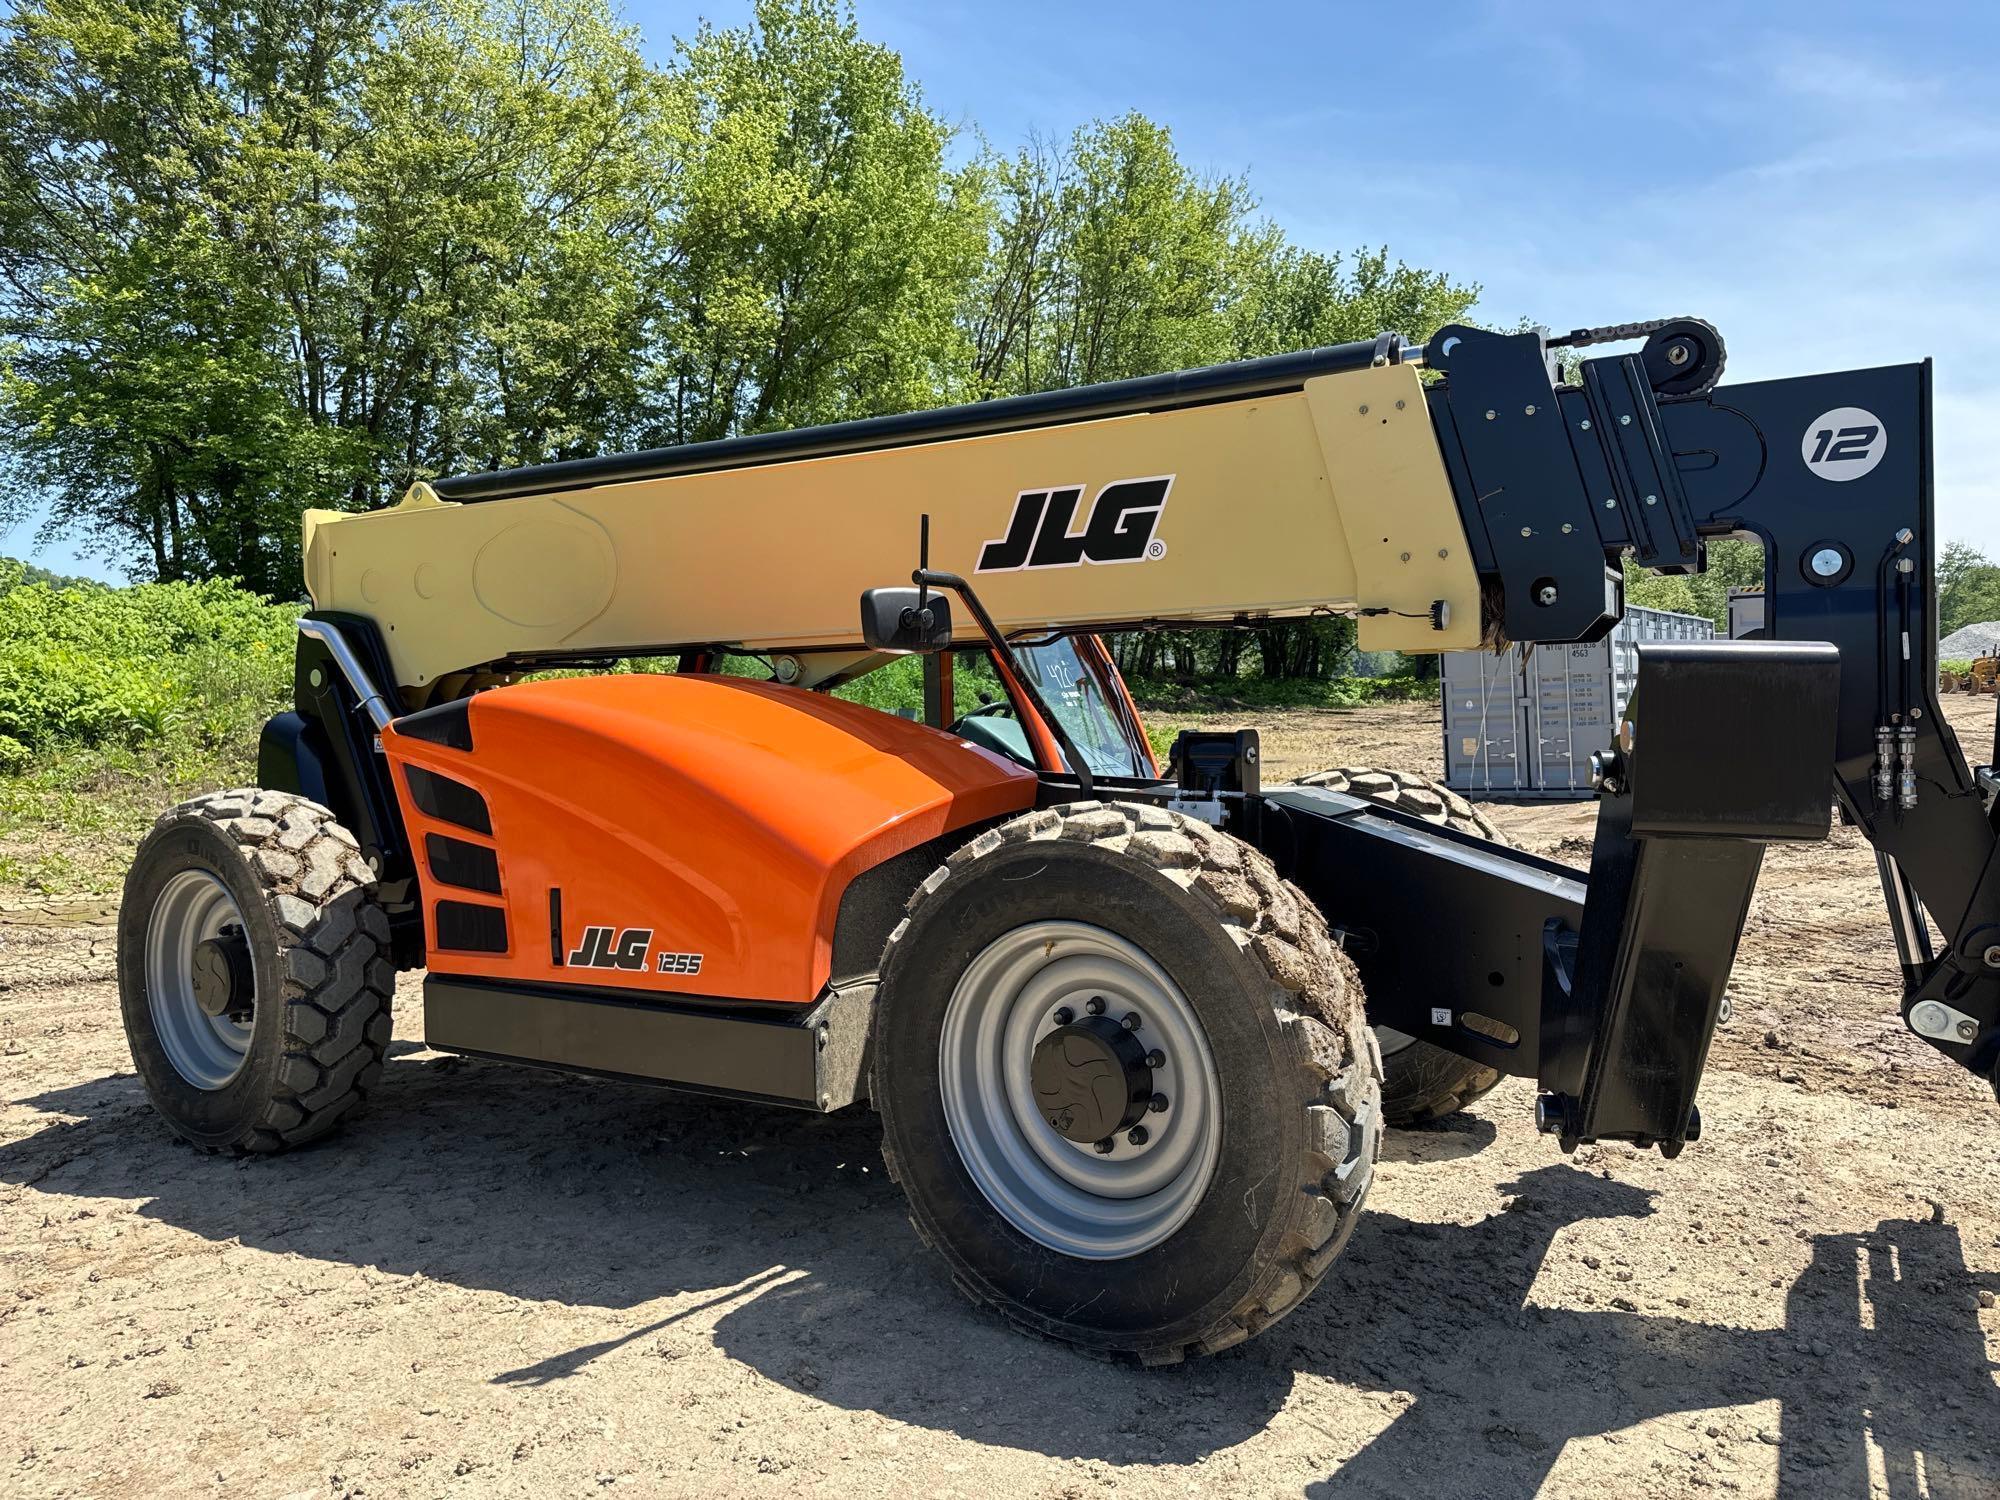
column 1571, row 715
column 1483, row 721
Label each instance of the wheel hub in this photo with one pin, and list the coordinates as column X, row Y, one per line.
column 1091, row 1079
column 200, row 982
column 221, row 975
column 1079, row 1089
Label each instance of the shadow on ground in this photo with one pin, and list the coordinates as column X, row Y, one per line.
column 598, row 1195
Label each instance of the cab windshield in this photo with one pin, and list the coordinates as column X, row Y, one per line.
column 1092, row 709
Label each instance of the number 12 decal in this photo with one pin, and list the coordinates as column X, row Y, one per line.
column 1845, row 443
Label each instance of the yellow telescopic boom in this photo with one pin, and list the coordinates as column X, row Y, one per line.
column 1276, row 488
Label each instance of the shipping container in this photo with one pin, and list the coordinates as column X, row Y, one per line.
column 1746, row 613
column 1524, row 723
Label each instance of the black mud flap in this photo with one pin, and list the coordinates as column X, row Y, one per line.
column 1728, row 746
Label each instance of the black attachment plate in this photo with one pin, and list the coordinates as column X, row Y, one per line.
column 1737, row 739
column 1730, row 749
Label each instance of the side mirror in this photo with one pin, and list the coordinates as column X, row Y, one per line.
column 891, row 620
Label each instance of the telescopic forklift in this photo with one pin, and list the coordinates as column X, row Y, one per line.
column 1110, row 1012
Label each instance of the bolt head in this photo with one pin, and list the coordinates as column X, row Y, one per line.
column 316, row 677
column 1611, row 505
column 1585, row 424
column 1064, row 1016
column 1548, row 1115
column 1545, row 595
column 1095, row 1005
column 1529, row 411
column 1967, row 1031
column 1652, row 499
column 1992, row 956
column 1400, row 405
column 1567, row 528
column 1364, row 411
column 1103, row 1147
column 1527, row 531
column 1138, row 1135
column 1157, row 1104
column 1625, row 421
column 1491, row 415
column 1130, row 1020
column 1156, row 1058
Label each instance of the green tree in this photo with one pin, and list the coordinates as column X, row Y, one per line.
column 258, row 257
column 1108, row 258
column 821, row 246
column 1968, row 588
column 1287, row 298
column 1733, row 563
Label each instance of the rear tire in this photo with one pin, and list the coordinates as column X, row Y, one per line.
column 1421, row 1083
column 259, row 902
column 1224, row 966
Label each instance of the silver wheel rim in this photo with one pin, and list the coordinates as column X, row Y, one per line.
column 1058, row 1192
column 205, row 1050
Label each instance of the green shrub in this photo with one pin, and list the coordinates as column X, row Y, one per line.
column 89, row 666
column 898, row 687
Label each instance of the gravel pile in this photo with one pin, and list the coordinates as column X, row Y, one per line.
column 1971, row 640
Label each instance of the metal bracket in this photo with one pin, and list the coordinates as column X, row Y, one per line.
column 1943, row 1023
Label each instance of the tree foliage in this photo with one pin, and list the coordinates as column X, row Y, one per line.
column 1968, row 588
column 1733, row 563
column 259, row 257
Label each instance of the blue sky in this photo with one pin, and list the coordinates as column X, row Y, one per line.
column 1821, row 181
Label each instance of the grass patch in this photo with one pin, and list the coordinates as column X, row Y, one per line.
column 1224, row 694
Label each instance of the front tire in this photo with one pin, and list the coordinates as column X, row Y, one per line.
column 253, row 971
column 1421, row 1082
column 1239, row 1168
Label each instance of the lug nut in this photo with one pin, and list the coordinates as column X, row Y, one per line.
column 1064, row 1015
column 1156, row 1058
column 1096, row 1005
column 1138, row 1135
column 1131, row 1020
column 1103, row 1147
column 1157, row 1104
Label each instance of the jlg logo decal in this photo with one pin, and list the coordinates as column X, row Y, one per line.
column 1122, row 527
column 601, row 949
column 625, row 948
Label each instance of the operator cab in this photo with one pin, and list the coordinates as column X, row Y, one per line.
column 1075, row 677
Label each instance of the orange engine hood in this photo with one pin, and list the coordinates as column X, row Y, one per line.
column 722, row 817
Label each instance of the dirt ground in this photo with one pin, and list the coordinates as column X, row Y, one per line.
column 500, row 1282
